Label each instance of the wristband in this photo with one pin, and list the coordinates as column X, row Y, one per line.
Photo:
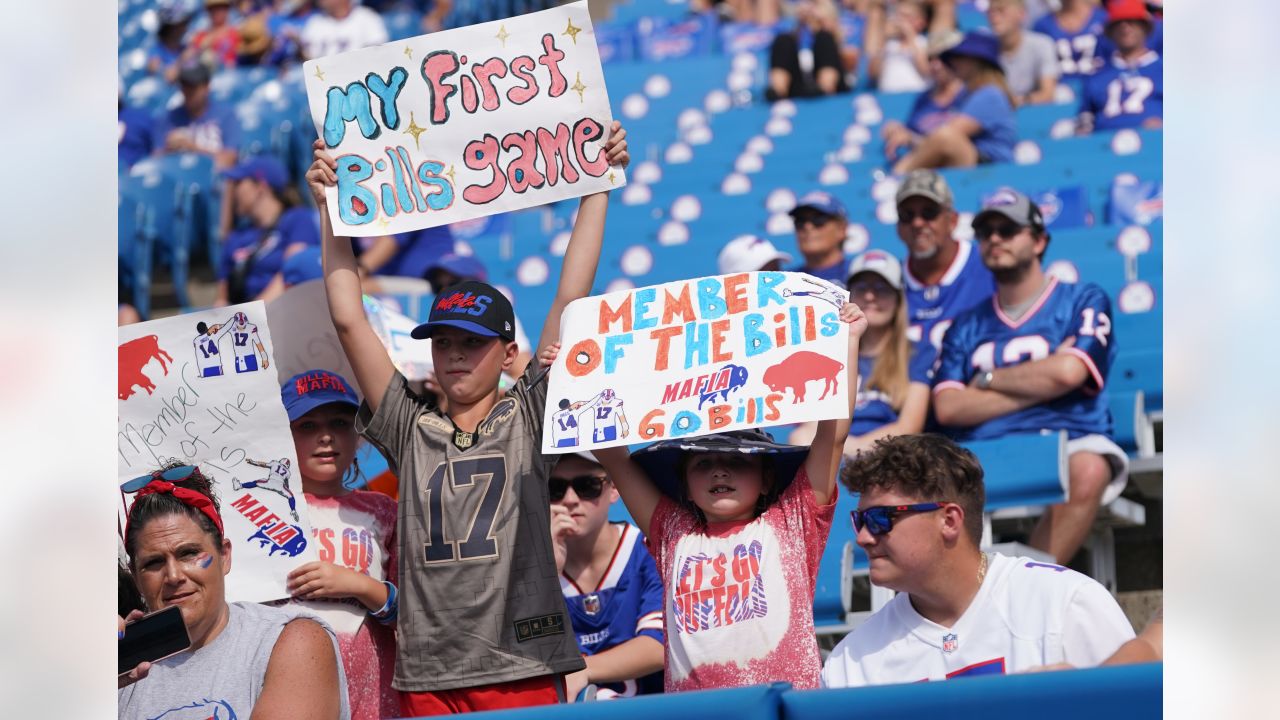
column 387, row 613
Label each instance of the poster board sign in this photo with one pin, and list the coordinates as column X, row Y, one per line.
column 202, row 389
column 695, row 357
column 464, row 123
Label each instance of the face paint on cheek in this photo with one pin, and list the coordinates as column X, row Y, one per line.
column 204, row 560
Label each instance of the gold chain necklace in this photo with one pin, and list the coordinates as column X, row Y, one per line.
column 982, row 569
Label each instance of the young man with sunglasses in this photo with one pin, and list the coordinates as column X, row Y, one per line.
column 610, row 583
column 821, row 226
column 1035, row 358
column 944, row 276
column 959, row 611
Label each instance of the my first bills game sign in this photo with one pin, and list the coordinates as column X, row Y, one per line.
column 696, row 357
column 464, row 123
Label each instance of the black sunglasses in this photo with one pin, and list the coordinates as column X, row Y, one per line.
column 586, row 487
column 906, row 217
column 879, row 519
column 1005, row 230
column 812, row 219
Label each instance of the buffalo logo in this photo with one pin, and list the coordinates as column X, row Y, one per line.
column 205, row 709
column 133, row 358
column 501, row 413
column 292, row 547
column 729, row 378
column 796, row 371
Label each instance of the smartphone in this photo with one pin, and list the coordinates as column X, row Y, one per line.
column 153, row 637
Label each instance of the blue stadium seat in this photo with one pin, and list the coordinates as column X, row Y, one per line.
column 133, row 251
column 1023, row 470
column 163, row 198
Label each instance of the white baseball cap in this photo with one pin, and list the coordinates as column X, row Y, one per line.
column 748, row 253
column 880, row 263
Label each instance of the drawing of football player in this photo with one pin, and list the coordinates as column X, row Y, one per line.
column 564, row 423
column 276, row 481
column 820, row 289
column 208, row 359
column 608, row 417
column 246, row 345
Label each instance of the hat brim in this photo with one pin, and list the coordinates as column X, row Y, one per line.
column 896, row 286
column 306, row 405
column 1002, row 212
column 948, row 55
column 661, row 460
column 423, row 331
column 814, row 208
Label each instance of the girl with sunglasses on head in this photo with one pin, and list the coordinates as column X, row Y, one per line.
column 352, row 584
column 610, row 584
column 893, row 398
column 737, row 524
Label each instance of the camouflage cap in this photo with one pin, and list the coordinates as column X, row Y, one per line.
column 927, row 184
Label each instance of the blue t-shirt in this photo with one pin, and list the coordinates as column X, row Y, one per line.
column 1077, row 51
column 215, row 130
column 931, row 308
column 626, row 604
column 418, row 250
column 166, row 56
column 137, row 139
column 984, row 338
column 1124, row 96
column 873, row 409
column 989, row 106
column 927, row 115
column 261, row 251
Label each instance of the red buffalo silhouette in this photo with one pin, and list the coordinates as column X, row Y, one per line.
column 134, row 356
column 796, row 371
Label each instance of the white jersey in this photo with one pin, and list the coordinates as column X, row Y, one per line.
column 1027, row 613
column 564, row 427
column 208, row 359
column 325, row 35
column 605, row 419
column 245, row 342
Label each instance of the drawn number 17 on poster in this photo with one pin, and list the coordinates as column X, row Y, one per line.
column 462, row 473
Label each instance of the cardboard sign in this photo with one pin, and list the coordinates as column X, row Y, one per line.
column 202, row 389
column 696, row 357
column 464, row 123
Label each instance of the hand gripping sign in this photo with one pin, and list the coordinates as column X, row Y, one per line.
column 695, row 357
column 464, row 123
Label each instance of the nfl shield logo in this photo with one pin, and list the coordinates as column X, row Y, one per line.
column 591, row 604
column 950, row 643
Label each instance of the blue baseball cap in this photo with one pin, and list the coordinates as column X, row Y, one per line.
column 264, row 168
column 308, row 390
column 822, row 201
column 472, row 306
column 979, row 45
column 464, row 266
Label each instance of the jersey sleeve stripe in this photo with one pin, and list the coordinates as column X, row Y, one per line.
column 1093, row 370
column 948, row 385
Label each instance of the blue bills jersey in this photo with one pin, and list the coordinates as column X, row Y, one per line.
column 873, row 409
column 931, row 308
column 626, row 604
column 1121, row 95
column 1079, row 51
column 985, row 338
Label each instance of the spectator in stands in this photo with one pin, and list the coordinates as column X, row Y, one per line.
column 750, row 253
column 277, row 227
column 610, row 582
column 1129, row 91
column 818, row 24
column 136, row 132
column 163, row 57
column 893, row 373
column 1029, row 60
column 449, row 269
column 437, row 13
column 285, row 25
column 932, row 108
column 983, row 128
column 244, row 657
column 218, row 43
column 1076, row 30
column 408, row 254
column 896, row 46
column 200, row 125
column 341, row 25
column 944, row 275
column 1035, row 359
column 959, row 611
column 821, row 225
column 256, row 45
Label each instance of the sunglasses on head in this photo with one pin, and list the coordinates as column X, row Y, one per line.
column 173, row 474
column 811, row 219
column 1005, row 230
column 586, row 487
column 879, row 519
column 929, row 214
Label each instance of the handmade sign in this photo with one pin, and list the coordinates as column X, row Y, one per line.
column 464, row 123
column 202, row 389
column 695, row 357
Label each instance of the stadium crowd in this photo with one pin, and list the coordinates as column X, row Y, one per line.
column 964, row 335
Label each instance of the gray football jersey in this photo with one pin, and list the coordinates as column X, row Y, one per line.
column 480, row 599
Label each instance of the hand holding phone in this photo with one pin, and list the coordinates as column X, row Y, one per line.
column 149, row 638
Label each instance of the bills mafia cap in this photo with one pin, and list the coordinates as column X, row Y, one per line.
column 473, row 306
column 879, row 262
column 822, row 201
column 308, row 390
column 1014, row 205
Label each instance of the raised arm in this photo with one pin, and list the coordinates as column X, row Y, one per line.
column 368, row 358
column 638, row 492
column 828, row 441
column 302, row 675
column 578, row 273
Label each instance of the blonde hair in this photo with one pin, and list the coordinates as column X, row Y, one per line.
column 889, row 373
column 991, row 75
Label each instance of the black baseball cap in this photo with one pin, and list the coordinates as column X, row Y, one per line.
column 473, row 306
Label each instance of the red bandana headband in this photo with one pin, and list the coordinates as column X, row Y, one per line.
column 190, row 498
